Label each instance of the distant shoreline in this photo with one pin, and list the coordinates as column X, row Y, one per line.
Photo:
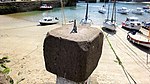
column 15, row 7
column 133, row 2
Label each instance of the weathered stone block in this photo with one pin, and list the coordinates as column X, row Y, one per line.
column 73, row 56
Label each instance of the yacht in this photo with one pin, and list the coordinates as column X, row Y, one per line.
column 131, row 23
column 123, row 10
column 138, row 11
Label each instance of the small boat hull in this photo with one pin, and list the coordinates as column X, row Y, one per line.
column 131, row 23
column 138, row 11
column 129, row 26
column 139, row 39
column 48, row 20
column 88, row 21
column 102, row 10
column 43, row 23
column 123, row 10
column 146, row 25
column 147, row 10
column 109, row 25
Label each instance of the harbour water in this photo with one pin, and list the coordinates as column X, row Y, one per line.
column 78, row 13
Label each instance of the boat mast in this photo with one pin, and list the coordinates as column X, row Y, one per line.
column 113, row 11
column 63, row 14
column 108, row 12
column 115, row 14
column 149, row 34
column 86, row 15
column 105, row 3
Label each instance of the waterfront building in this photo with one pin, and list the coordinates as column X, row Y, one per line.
column 117, row 0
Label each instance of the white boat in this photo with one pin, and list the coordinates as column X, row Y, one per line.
column 123, row 10
column 86, row 20
column 131, row 23
column 147, row 10
column 49, row 20
column 102, row 10
column 45, row 7
column 138, row 11
column 111, row 23
column 146, row 7
column 146, row 25
column 139, row 39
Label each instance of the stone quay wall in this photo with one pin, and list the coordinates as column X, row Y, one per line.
column 14, row 7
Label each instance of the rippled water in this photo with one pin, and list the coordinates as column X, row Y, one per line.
column 78, row 13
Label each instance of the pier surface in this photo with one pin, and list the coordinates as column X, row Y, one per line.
column 22, row 41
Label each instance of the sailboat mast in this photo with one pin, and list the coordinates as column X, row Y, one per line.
column 115, row 14
column 86, row 15
column 113, row 11
column 63, row 14
column 105, row 3
column 108, row 12
column 149, row 34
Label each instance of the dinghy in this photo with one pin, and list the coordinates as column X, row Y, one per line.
column 146, row 25
column 139, row 38
column 102, row 10
column 49, row 20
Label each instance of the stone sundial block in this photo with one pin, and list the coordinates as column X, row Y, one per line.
column 73, row 56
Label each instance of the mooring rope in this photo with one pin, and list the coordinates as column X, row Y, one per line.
column 120, row 63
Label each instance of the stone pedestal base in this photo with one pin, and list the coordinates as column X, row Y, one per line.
column 61, row 80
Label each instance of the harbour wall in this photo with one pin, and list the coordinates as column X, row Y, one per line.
column 14, row 7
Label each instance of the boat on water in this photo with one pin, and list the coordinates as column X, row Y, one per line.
column 147, row 10
column 131, row 23
column 140, row 39
column 45, row 7
column 138, row 11
column 102, row 10
column 111, row 23
column 123, row 10
column 86, row 20
column 146, row 7
column 146, row 25
column 49, row 20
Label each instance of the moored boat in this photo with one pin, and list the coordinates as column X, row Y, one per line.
column 102, row 10
column 131, row 23
column 146, row 7
column 147, row 10
column 49, row 20
column 146, row 25
column 123, row 10
column 138, row 11
column 111, row 23
column 139, row 39
column 45, row 7
column 86, row 21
